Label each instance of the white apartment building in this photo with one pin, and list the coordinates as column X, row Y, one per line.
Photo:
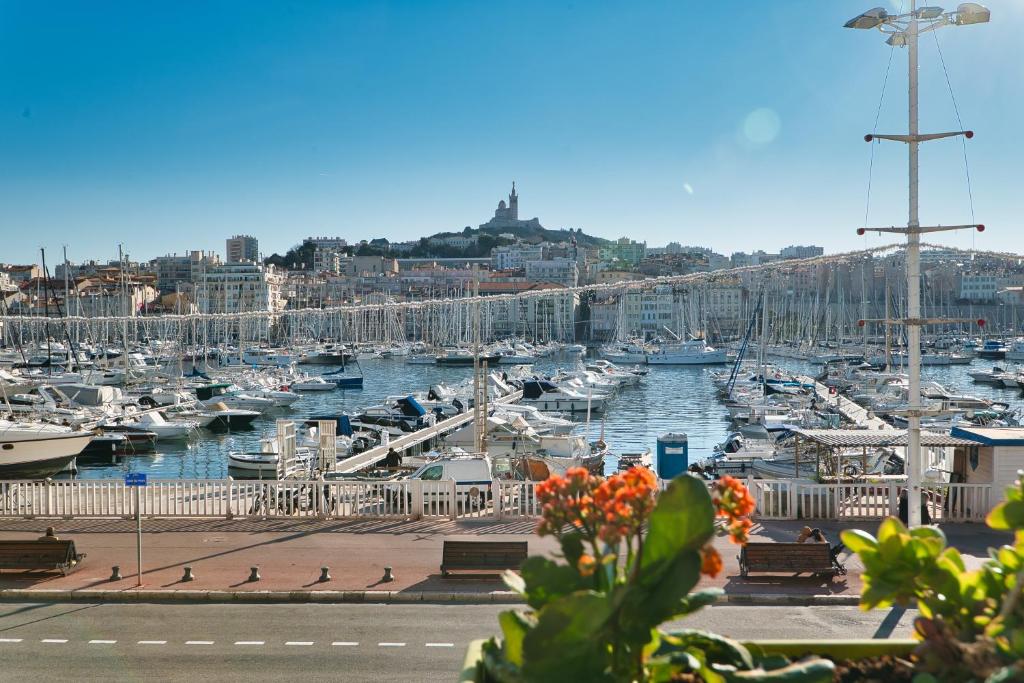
column 240, row 287
column 515, row 256
column 978, row 287
column 561, row 271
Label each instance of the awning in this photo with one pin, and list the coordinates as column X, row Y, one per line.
column 850, row 438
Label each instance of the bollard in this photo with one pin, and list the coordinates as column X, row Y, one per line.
column 388, row 576
column 188, row 575
column 115, row 573
column 254, row 573
column 325, row 574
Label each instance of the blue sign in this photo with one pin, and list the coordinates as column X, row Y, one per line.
column 136, row 479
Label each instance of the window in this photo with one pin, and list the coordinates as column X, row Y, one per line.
column 432, row 473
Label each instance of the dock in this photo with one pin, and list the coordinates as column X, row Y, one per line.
column 403, row 443
column 850, row 411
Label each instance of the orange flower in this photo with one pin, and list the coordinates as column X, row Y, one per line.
column 586, row 565
column 738, row 531
column 711, row 561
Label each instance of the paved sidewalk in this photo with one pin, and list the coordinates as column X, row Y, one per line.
column 290, row 553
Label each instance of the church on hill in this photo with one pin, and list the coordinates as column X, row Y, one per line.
column 507, row 215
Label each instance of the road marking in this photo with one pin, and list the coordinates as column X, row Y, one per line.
column 440, row 644
column 390, row 644
column 152, row 642
column 345, row 643
column 102, row 642
column 199, row 642
column 249, row 642
column 299, row 642
column 54, row 640
column 10, row 640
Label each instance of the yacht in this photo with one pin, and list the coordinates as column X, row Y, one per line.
column 38, row 449
column 545, row 395
column 1015, row 351
column 693, row 352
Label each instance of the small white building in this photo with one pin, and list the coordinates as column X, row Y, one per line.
column 997, row 459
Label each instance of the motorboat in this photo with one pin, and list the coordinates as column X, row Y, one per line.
column 167, row 430
column 1015, row 351
column 545, row 395
column 693, row 352
column 38, row 449
column 228, row 418
column 313, row 384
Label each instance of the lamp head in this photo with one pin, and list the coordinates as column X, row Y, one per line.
column 971, row 13
column 870, row 19
column 897, row 40
column 929, row 12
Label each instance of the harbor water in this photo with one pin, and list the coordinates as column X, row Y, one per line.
column 669, row 399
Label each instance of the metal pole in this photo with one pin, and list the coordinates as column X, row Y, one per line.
column 913, row 292
column 138, row 536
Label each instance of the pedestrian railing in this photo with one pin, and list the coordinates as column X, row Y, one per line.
column 418, row 499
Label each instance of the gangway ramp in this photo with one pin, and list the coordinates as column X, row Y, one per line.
column 402, row 443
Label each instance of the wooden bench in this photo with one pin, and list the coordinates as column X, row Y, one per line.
column 813, row 558
column 40, row 554
column 482, row 555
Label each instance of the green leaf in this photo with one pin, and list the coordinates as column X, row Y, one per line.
column 808, row 671
column 718, row 649
column 683, row 519
column 659, row 596
column 858, row 541
column 572, row 547
column 1007, row 515
column 547, row 580
column 514, row 628
column 567, row 643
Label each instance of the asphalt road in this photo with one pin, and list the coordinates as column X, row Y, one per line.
column 158, row 642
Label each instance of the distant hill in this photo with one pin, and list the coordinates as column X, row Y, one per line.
column 301, row 255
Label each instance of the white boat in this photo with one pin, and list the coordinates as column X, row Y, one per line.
column 545, row 395
column 626, row 352
column 262, row 358
column 37, row 449
column 167, row 430
column 693, row 352
column 1015, row 351
column 263, row 464
column 313, row 384
column 421, row 359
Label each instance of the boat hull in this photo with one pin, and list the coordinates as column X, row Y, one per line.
column 29, row 458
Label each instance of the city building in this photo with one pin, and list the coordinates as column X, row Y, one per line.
column 242, row 249
column 515, row 256
column 240, row 287
column 801, row 252
column 561, row 271
column 625, row 250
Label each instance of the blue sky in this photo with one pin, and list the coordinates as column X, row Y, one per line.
column 734, row 124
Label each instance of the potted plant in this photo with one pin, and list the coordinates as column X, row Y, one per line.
column 971, row 623
column 631, row 558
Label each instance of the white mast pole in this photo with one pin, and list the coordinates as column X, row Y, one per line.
column 914, row 464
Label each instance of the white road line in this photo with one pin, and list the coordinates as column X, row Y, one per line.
column 10, row 640
column 345, row 643
column 199, row 642
column 102, row 642
column 390, row 644
column 249, row 642
column 440, row 644
column 152, row 642
column 299, row 642
column 54, row 640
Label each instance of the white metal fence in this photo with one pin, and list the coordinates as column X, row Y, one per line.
column 786, row 499
column 415, row 499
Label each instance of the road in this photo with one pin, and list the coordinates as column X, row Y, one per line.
column 195, row 642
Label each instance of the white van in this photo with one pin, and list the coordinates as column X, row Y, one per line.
column 471, row 474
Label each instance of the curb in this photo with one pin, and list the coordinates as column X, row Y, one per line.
column 373, row 597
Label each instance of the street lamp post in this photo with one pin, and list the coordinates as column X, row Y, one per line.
column 903, row 31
